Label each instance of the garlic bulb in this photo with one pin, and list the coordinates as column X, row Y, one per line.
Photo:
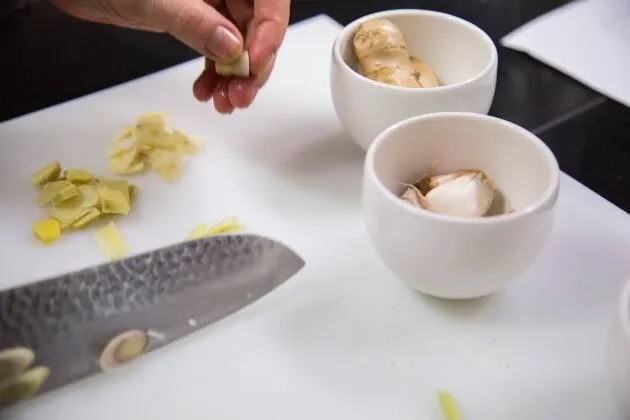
column 467, row 192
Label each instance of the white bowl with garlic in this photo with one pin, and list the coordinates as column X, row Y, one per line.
column 458, row 205
column 619, row 352
column 396, row 64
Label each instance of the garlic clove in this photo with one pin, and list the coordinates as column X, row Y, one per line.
column 437, row 180
column 414, row 196
column 238, row 67
column 468, row 195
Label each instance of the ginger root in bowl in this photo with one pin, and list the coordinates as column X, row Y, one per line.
column 383, row 56
column 375, row 80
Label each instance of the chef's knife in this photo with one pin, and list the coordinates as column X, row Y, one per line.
column 68, row 328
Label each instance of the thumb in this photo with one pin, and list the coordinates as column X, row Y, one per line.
column 198, row 25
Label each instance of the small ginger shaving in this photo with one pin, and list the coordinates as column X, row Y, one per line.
column 111, row 242
column 448, row 406
column 229, row 225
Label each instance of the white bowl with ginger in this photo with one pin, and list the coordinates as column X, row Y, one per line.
column 458, row 205
column 396, row 64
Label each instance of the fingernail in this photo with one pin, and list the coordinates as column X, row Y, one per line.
column 223, row 44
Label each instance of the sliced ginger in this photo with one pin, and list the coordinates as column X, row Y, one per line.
column 47, row 173
column 149, row 144
column 229, row 225
column 49, row 191
column 47, row 231
column 67, row 216
column 111, row 242
column 125, row 160
column 166, row 164
column 75, row 199
column 89, row 216
column 65, row 194
column 77, row 176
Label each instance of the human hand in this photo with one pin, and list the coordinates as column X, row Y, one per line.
column 265, row 23
column 204, row 26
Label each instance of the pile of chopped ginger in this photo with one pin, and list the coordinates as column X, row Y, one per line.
column 75, row 198
column 149, row 144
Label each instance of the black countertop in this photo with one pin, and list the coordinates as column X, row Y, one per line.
column 47, row 58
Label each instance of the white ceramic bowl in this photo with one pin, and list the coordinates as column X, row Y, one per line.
column 462, row 55
column 449, row 256
column 619, row 352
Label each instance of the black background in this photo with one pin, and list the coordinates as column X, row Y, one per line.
column 47, row 58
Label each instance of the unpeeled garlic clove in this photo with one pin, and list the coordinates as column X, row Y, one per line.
column 468, row 194
column 414, row 196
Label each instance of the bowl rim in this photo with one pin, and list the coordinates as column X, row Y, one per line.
column 351, row 27
column 545, row 202
column 624, row 309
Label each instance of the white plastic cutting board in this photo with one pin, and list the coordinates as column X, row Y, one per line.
column 344, row 339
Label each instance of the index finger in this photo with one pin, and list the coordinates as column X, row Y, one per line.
column 266, row 31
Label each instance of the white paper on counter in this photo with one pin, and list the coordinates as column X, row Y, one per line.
column 588, row 40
